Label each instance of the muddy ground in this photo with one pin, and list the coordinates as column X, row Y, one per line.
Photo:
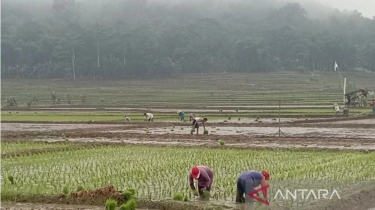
column 337, row 135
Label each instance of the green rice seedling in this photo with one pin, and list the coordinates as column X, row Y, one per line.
column 221, row 142
column 110, row 204
column 206, row 195
column 229, row 118
column 80, row 188
column 129, row 205
column 65, row 190
column 195, row 192
column 186, row 198
column 129, row 194
column 178, row 197
column 11, row 179
column 182, row 128
column 205, row 132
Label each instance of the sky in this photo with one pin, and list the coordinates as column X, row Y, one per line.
column 366, row 7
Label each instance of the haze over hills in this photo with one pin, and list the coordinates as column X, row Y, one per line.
column 158, row 38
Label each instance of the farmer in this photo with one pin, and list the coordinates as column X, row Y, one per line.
column 127, row 118
column 181, row 114
column 248, row 181
column 149, row 117
column 205, row 177
column 373, row 106
column 337, row 108
column 192, row 116
column 196, row 122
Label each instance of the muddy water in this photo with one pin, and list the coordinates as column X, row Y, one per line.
column 365, row 121
column 265, row 131
column 48, row 127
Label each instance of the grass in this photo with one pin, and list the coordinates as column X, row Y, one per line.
column 55, row 172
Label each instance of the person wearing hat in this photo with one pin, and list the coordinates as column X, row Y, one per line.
column 205, row 177
column 181, row 114
column 248, row 181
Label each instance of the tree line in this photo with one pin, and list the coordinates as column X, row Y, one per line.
column 147, row 39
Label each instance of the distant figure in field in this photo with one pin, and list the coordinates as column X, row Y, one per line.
column 373, row 106
column 196, row 122
column 337, row 108
column 181, row 114
column 149, row 117
column 192, row 116
column 127, row 119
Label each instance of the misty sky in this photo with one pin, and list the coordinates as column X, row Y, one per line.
column 366, row 7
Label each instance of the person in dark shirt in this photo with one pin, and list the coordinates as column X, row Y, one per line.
column 205, row 177
column 248, row 181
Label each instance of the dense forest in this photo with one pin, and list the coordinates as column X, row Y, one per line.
column 112, row 39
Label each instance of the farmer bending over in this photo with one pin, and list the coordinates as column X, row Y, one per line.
column 196, row 122
column 205, row 177
column 149, row 117
column 248, row 181
column 127, row 119
column 181, row 114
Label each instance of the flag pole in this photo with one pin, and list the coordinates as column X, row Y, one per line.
column 344, row 89
column 336, row 68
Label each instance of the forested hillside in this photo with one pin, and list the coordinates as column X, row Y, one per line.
column 112, row 39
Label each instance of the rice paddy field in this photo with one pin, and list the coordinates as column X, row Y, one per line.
column 64, row 156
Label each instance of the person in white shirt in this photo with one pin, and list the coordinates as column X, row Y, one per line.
column 149, row 117
column 196, row 122
column 337, row 108
column 127, row 119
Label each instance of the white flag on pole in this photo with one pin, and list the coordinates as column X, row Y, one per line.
column 336, row 66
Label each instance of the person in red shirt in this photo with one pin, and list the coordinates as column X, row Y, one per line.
column 205, row 177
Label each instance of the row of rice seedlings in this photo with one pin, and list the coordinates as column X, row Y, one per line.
column 9, row 147
column 159, row 173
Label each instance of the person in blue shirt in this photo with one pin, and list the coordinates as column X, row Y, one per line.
column 181, row 114
column 248, row 181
